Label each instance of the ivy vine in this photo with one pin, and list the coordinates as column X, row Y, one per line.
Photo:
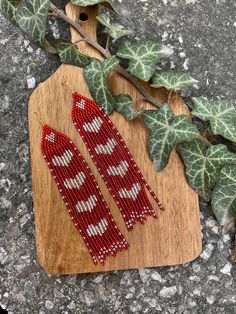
column 210, row 168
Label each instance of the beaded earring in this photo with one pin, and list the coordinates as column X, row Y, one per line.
column 82, row 196
column 113, row 160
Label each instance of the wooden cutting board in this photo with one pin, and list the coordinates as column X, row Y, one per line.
column 174, row 238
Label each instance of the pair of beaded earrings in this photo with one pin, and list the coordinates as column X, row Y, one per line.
column 77, row 184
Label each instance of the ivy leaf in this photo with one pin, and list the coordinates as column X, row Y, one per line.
column 86, row 3
column 31, row 16
column 70, row 55
column 220, row 113
column 143, row 56
column 49, row 47
column 166, row 132
column 202, row 165
column 124, row 106
column 224, row 195
column 8, row 9
column 115, row 30
column 104, row 19
column 109, row 65
column 172, row 80
column 96, row 74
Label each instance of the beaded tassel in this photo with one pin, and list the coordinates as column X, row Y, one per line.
column 113, row 160
column 82, row 196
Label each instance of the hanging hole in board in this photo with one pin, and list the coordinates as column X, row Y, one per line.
column 83, row 16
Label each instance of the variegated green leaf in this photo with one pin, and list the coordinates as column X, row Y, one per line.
column 203, row 164
column 166, row 132
column 49, row 47
column 109, row 65
column 220, row 113
column 104, row 19
column 8, row 9
column 125, row 107
column 143, row 56
column 70, row 55
column 115, row 30
column 172, row 80
column 96, row 74
column 86, row 3
column 31, row 16
column 223, row 200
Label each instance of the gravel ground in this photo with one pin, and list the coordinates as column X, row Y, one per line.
column 203, row 34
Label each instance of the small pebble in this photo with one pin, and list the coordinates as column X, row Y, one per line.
column 226, row 269
column 215, row 229
column 206, row 253
column 168, row 292
column 210, row 299
column 49, row 305
column 31, row 82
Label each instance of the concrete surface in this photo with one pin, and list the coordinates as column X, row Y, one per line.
column 203, row 33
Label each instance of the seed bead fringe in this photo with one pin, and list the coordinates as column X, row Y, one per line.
column 82, row 196
column 113, row 160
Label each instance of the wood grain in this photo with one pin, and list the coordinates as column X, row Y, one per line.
column 174, row 238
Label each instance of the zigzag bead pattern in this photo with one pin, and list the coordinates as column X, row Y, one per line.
column 119, row 170
column 113, row 160
column 82, row 196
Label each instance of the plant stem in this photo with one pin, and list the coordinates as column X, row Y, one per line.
column 205, row 140
column 78, row 41
column 169, row 97
column 59, row 13
column 105, row 53
column 108, row 41
column 147, row 96
column 233, row 255
column 136, row 100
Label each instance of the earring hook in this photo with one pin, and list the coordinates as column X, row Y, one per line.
column 39, row 121
column 65, row 83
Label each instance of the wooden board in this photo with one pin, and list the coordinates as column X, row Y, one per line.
column 174, row 238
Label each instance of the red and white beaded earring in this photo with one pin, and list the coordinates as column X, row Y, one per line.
column 113, row 160
column 82, row 196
